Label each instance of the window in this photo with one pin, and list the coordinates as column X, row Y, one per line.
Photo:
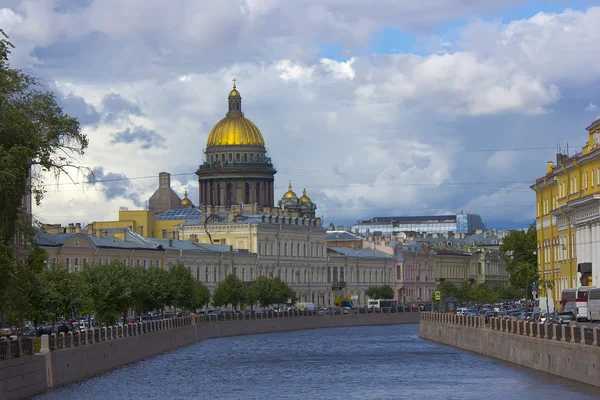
column 164, row 233
column 84, row 261
column 137, row 262
column 237, row 157
column 76, row 267
column 107, row 261
column 298, row 250
column 158, row 263
column 292, row 249
column 230, row 157
column 125, row 262
column 575, row 185
column 68, row 263
column 251, row 156
column 145, row 265
column 245, row 156
column 593, row 178
column 586, row 179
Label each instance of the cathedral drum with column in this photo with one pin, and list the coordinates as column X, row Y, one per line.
column 236, row 169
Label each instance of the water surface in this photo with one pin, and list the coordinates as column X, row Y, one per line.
column 385, row 362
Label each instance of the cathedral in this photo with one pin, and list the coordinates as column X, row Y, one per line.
column 238, row 216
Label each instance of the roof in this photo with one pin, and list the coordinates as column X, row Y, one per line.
column 132, row 241
column 252, row 219
column 179, row 214
column 341, row 235
column 360, row 253
column 451, row 252
column 410, row 219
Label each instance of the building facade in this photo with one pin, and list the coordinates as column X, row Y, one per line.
column 415, row 276
column 568, row 217
column 391, row 226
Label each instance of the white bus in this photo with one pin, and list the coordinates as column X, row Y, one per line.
column 576, row 301
column 593, row 306
column 382, row 303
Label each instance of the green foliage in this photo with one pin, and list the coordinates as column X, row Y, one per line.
column 105, row 291
column 481, row 294
column 37, row 140
column 231, row 291
column 519, row 251
column 380, row 292
column 35, row 137
column 262, row 291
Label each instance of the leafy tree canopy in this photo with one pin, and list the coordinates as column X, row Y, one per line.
column 519, row 251
column 380, row 292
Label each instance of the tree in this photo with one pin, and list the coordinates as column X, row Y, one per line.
column 546, row 286
column 201, row 297
column 36, row 139
column 183, row 285
column 109, row 291
column 231, row 291
column 380, row 292
column 282, row 293
column 263, row 291
column 519, row 252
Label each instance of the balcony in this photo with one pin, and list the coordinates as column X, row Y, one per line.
column 338, row 285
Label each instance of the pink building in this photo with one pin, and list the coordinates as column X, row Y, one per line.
column 415, row 277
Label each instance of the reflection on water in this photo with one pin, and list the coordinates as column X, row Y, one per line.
column 386, row 362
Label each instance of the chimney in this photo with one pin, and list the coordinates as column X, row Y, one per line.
column 78, row 227
column 164, row 180
column 340, row 228
column 549, row 166
column 71, row 227
column 560, row 159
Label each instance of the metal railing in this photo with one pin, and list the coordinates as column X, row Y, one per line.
column 61, row 341
column 14, row 347
column 572, row 333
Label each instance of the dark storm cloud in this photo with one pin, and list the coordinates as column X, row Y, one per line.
column 116, row 108
column 148, row 138
column 114, row 185
column 77, row 107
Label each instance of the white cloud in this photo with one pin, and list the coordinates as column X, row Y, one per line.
column 591, row 107
column 368, row 135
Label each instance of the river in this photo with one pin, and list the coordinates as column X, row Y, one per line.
column 384, row 362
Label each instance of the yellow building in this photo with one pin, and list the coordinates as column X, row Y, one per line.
column 568, row 217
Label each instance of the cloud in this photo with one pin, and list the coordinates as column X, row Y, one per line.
column 114, row 185
column 370, row 135
column 147, row 137
column 116, row 108
column 591, row 107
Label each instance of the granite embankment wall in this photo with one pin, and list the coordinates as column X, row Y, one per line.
column 104, row 350
column 567, row 351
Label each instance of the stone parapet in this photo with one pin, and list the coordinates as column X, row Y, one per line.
column 570, row 352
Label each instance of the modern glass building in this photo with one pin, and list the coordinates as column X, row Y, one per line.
column 387, row 226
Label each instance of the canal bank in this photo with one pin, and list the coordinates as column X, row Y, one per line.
column 557, row 350
column 74, row 359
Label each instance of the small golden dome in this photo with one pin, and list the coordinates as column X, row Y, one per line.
column 235, row 129
column 290, row 193
column 305, row 199
column 186, row 202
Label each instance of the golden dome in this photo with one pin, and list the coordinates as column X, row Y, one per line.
column 290, row 193
column 186, row 202
column 235, row 129
column 305, row 198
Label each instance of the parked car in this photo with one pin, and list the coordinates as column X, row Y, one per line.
column 565, row 317
column 5, row 330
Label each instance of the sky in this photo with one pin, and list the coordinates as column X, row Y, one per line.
column 394, row 107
